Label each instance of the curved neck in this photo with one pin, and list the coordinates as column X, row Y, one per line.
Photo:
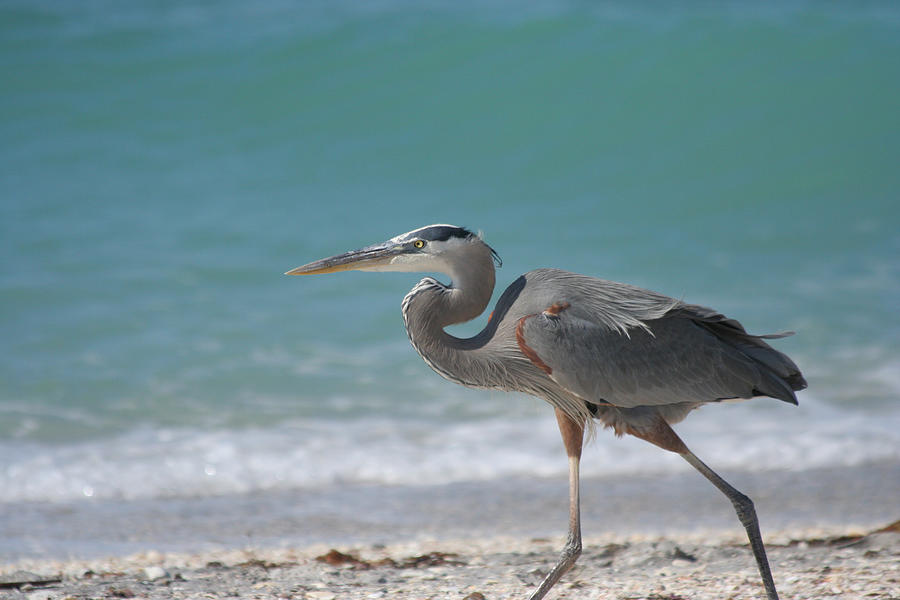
column 430, row 306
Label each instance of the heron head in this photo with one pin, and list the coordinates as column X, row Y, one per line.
column 434, row 248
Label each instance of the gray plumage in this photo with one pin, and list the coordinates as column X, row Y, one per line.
column 630, row 358
column 616, row 344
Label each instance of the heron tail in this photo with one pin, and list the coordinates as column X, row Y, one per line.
column 780, row 376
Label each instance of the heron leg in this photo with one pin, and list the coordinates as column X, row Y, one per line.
column 664, row 437
column 743, row 505
column 573, row 436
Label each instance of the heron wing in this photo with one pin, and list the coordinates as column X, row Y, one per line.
column 678, row 357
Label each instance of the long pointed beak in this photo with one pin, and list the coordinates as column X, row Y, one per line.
column 364, row 259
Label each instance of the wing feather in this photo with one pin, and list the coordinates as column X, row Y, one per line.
column 689, row 354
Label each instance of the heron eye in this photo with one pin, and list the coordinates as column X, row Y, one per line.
column 419, row 244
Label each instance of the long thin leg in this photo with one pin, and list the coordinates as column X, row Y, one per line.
column 664, row 437
column 573, row 436
column 743, row 505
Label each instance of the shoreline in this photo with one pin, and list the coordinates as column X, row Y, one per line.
column 709, row 565
column 662, row 537
column 675, row 505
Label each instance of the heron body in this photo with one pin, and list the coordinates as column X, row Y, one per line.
column 632, row 359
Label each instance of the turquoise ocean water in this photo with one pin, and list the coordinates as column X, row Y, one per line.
column 162, row 164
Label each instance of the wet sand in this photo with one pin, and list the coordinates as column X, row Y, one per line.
column 672, row 505
column 655, row 537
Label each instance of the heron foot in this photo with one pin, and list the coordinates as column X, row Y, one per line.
column 567, row 559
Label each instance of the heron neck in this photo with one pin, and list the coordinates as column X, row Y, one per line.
column 431, row 306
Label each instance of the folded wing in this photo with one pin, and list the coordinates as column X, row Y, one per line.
column 690, row 354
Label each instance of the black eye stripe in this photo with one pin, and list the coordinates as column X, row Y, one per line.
column 442, row 233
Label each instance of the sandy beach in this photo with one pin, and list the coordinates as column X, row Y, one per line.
column 714, row 565
column 828, row 534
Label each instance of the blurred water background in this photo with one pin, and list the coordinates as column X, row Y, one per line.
column 163, row 163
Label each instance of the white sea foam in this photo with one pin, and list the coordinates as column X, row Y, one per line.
column 148, row 463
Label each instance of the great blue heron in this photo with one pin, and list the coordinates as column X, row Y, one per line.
column 633, row 359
